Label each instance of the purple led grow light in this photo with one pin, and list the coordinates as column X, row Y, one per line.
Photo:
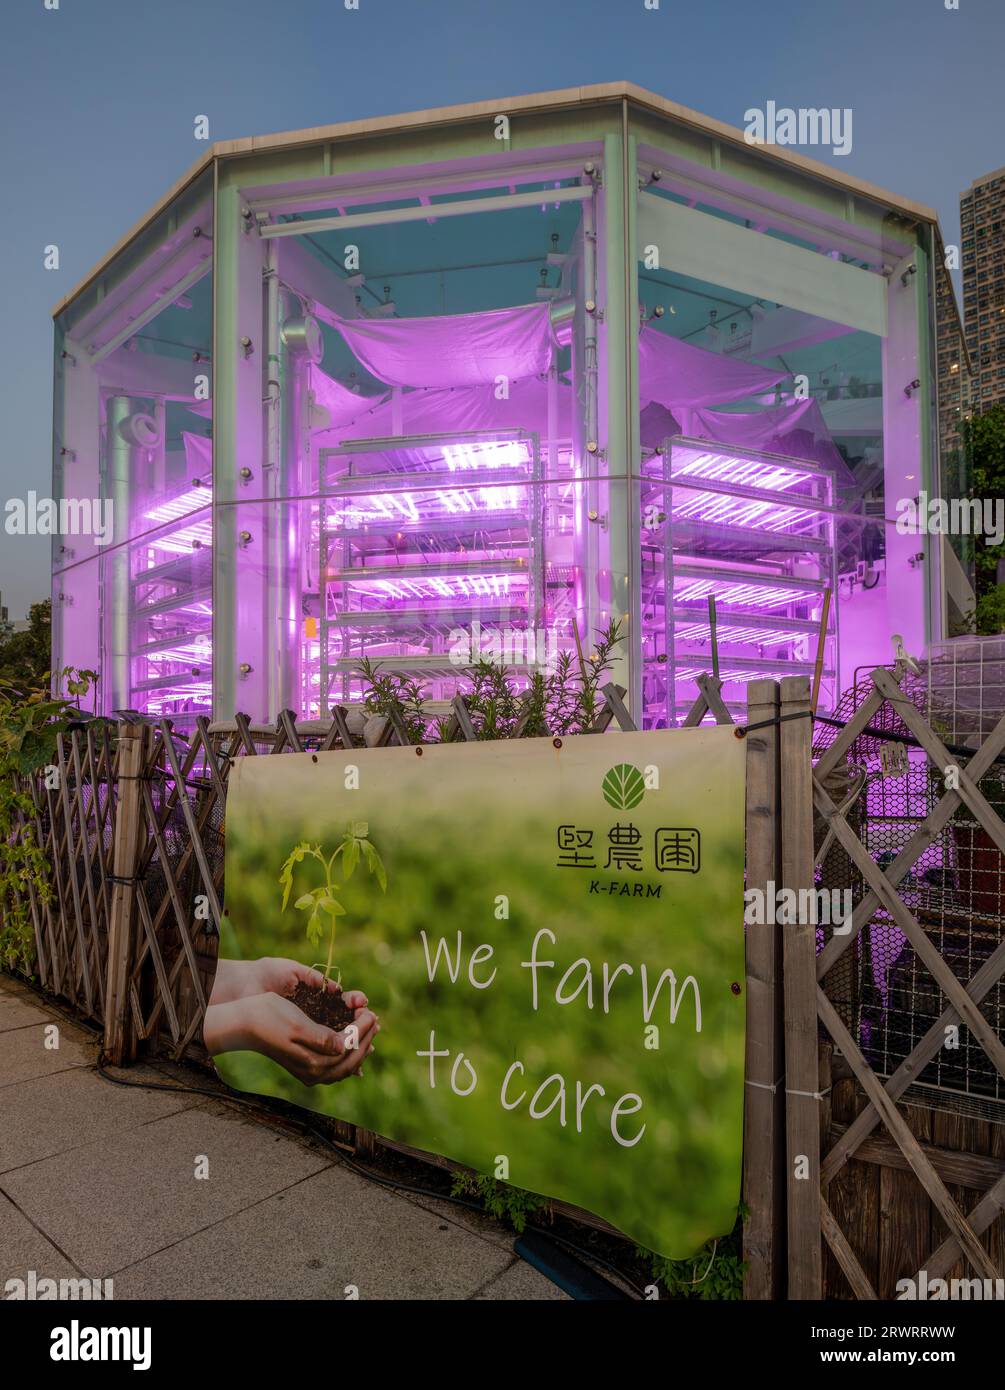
column 732, row 474
column 750, row 594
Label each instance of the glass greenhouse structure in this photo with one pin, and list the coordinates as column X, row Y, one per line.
column 483, row 380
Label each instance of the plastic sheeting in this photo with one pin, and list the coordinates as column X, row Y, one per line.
column 670, row 368
column 675, row 374
column 452, row 412
column 454, row 349
column 198, row 456
column 760, row 429
column 795, row 428
column 342, row 405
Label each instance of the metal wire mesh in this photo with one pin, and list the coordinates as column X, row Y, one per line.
column 966, row 686
column 885, row 994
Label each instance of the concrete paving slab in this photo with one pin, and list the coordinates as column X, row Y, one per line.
column 334, row 1230
column 99, row 1180
column 519, row 1282
column 16, row 1011
column 478, row 1223
column 52, row 1114
column 10, row 985
column 24, row 1248
column 113, row 1202
column 23, row 1053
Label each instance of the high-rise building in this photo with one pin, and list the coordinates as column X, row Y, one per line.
column 954, row 378
column 982, row 219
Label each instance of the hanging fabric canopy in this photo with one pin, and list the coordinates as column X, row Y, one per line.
column 796, row 428
column 448, row 412
column 675, row 373
column 455, row 349
column 341, row 404
column 761, row 429
column 198, row 457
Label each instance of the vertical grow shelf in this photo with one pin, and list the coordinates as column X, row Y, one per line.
column 428, row 543
column 753, row 530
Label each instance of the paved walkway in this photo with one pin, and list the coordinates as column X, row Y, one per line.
column 98, row 1181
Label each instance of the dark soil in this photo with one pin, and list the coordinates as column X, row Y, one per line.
column 324, row 1006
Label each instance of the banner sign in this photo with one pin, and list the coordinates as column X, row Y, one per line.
column 550, row 932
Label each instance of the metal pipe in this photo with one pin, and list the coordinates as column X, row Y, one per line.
column 562, row 313
column 586, row 549
column 620, row 320
column 294, row 359
column 270, row 519
column 130, row 435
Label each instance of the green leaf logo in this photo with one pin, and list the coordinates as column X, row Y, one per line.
column 623, row 787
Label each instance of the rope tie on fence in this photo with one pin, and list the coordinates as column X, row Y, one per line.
column 771, row 1086
column 813, row 1095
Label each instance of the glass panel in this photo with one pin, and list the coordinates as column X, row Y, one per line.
column 744, row 543
column 432, row 489
column 169, row 637
column 422, row 573
column 762, row 491
column 133, row 425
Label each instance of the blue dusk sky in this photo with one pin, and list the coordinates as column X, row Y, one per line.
column 98, row 99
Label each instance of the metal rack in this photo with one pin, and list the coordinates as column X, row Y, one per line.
column 170, row 610
column 423, row 538
column 754, row 530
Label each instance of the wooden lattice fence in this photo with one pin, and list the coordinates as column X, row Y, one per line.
column 853, row 1175
column 926, row 1228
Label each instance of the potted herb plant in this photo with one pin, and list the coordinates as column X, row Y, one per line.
column 325, row 1004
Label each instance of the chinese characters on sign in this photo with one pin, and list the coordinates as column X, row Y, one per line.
column 676, row 849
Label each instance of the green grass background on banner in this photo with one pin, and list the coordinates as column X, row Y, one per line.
column 457, row 828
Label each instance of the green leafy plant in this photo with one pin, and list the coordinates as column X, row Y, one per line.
column 984, row 444
column 714, row 1274
column 509, row 1204
column 30, row 722
column 25, row 657
column 566, row 700
column 78, row 682
column 492, row 701
column 987, row 617
column 320, row 903
column 391, row 693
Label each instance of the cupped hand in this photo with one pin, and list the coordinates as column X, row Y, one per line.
column 274, row 1026
column 239, row 979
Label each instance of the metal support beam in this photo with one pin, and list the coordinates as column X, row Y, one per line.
column 421, row 213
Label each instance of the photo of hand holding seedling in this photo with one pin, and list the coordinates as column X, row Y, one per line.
column 298, row 1015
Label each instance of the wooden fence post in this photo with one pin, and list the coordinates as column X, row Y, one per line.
column 763, row 1110
column 125, row 859
column 799, row 955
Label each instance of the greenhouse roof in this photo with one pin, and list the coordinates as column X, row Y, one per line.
column 535, row 103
